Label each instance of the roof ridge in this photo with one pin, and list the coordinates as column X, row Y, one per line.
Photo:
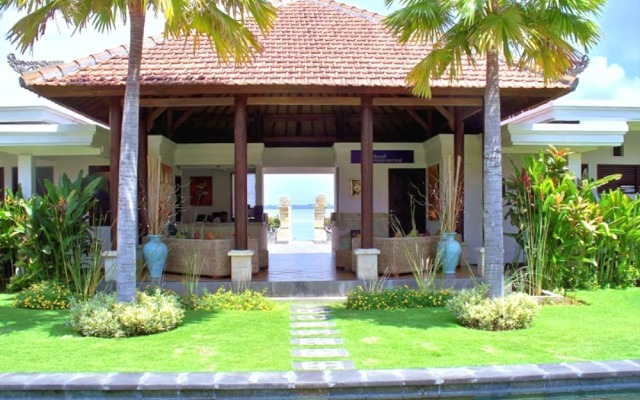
column 64, row 69
column 350, row 10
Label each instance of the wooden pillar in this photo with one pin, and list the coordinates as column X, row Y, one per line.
column 458, row 154
column 143, row 154
column 240, row 157
column 366, row 171
column 115, row 136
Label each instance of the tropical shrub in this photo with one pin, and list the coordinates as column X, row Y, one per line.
column 617, row 256
column 460, row 301
column 45, row 295
column 103, row 316
column 565, row 234
column 472, row 309
column 246, row 300
column 50, row 236
column 395, row 298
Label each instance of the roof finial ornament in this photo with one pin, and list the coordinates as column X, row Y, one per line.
column 578, row 67
column 21, row 66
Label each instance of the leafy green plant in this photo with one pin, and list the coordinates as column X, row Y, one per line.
column 460, row 301
column 273, row 223
column 103, row 316
column 50, row 236
column 558, row 220
column 222, row 299
column 395, row 298
column 617, row 255
column 45, row 295
column 472, row 309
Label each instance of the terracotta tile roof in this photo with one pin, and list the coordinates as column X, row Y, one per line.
column 313, row 42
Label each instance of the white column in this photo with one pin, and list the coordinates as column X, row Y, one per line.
column 27, row 175
column 575, row 164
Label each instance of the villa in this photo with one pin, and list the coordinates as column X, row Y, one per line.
column 326, row 95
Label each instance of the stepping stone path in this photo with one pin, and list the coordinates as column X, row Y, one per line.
column 311, row 325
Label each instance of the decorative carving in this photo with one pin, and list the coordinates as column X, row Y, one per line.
column 22, row 66
column 578, row 66
column 321, row 200
column 285, row 201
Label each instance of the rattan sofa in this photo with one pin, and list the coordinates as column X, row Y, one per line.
column 211, row 256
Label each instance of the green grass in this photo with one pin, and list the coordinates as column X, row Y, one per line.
column 606, row 328
column 39, row 341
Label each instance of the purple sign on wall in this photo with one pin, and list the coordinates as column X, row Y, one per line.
column 385, row 156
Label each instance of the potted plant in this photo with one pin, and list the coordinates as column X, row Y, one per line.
column 158, row 212
column 448, row 203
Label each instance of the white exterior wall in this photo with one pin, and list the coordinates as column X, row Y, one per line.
column 605, row 155
column 346, row 171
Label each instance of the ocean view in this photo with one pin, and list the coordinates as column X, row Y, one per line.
column 301, row 221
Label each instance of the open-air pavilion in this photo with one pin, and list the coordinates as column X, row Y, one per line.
column 327, row 91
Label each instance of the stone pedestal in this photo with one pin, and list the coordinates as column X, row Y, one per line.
column 110, row 259
column 319, row 232
column 366, row 263
column 480, row 260
column 284, row 232
column 241, row 265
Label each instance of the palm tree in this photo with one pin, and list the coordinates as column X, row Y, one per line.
column 538, row 35
column 219, row 21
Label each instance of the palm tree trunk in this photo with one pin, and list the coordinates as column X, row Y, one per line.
column 127, row 228
column 492, row 180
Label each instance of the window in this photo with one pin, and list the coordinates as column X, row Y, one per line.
column 618, row 151
column 630, row 181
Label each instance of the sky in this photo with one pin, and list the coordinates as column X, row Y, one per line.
column 301, row 188
column 613, row 72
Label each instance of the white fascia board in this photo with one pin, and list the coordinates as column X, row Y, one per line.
column 45, row 140
column 585, row 134
column 38, row 115
column 587, row 110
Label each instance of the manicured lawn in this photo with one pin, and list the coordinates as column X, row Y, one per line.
column 34, row 341
column 608, row 328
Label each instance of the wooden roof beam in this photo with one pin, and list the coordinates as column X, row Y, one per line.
column 152, row 116
column 419, row 120
column 310, row 101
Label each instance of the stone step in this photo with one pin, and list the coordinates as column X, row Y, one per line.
column 313, row 324
column 319, row 353
column 322, row 365
column 314, row 332
column 316, row 341
column 310, row 317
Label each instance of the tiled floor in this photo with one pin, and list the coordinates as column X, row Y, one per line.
column 303, row 261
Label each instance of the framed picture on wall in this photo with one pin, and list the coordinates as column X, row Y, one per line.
column 356, row 187
column 201, row 191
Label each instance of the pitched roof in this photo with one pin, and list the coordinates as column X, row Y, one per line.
column 312, row 43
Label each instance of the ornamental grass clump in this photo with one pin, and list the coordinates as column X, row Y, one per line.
column 474, row 310
column 45, row 295
column 103, row 316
